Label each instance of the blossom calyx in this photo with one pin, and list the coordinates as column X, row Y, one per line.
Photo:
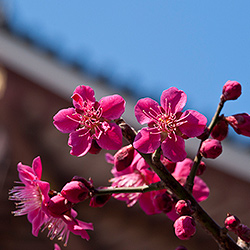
column 99, row 201
column 211, row 148
column 185, row 227
column 231, row 91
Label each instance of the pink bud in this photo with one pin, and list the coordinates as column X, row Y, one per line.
column 231, row 222
column 183, row 207
column 201, row 168
column 211, row 148
column 124, row 157
column 185, row 227
column 163, row 202
column 244, row 232
column 240, row 123
column 58, row 205
column 220, row 130
column 75, row 191
column 231, row 90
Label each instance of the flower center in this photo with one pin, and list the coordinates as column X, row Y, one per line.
column 91, row 115
column 166, row 122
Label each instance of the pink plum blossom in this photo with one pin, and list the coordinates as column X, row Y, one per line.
column 137, row 174
column 54, row 213
column 90, row 122
column 32, row 197
column 168, row 126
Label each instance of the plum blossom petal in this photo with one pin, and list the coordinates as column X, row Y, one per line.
column 200, row 189
column 146, row 203
column 66, row 120
column 112, row 106
column 174, row 148
column 85, row 94
column 144, row 109
column 182, row 170
column 147, row 140
column 112, row 138
column 37, row 167
column 194, row 123
column 173, row 100
column 80, row 141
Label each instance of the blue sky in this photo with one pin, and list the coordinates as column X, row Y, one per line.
column 150, row 45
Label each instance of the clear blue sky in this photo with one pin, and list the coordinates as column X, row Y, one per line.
column 150, row 44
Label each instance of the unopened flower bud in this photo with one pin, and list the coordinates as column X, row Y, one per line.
column 123, row 157
column 58, row 205
column 201, row 168
column 183, row 207
column 231, row 90
column 231, row 222
column 185, row 227
column 211, row 148
column 240, row 123
column 244, row 232
column 220, row 130
column 163, row 202
column 169, row 165
column 75, row 191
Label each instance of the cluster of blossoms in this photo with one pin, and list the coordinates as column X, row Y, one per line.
column 92, row 125
column 46, row 209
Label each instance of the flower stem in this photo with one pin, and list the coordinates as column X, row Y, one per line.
column 141, row 189
column 190, row 179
